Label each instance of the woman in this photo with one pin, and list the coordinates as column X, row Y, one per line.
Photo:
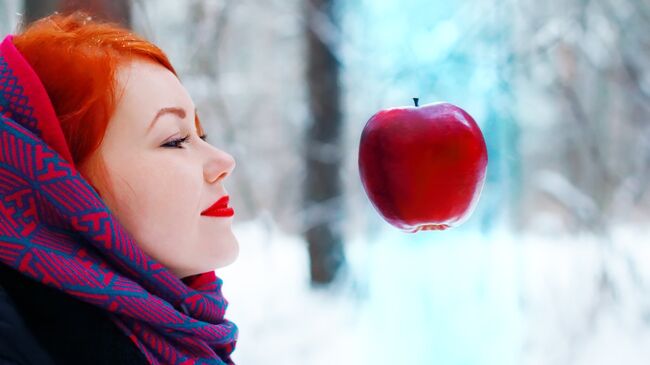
column 113, row 213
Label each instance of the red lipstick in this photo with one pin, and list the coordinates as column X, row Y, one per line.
column 220, row 208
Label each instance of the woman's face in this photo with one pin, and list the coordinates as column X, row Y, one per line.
column 161, row 188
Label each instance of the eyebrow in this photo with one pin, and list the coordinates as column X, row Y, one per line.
column 179, row 112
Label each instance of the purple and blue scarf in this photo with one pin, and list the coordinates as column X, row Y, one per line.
column 55, row 229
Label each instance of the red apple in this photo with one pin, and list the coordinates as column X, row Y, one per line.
column 423, row 167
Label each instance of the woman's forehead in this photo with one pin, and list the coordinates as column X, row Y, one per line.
column 138, row 74
column 147, row 86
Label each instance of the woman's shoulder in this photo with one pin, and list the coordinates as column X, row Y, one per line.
column 69, row 330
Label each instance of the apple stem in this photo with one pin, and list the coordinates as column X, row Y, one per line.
column 415, row 100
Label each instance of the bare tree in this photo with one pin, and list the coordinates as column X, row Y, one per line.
column 35, row 9
column 118, row 11
column 323, row 157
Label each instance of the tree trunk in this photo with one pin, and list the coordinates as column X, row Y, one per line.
column 113, row 10
column 323, row 159
column 36, row 9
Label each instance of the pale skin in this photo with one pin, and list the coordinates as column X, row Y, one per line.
column 161, row 186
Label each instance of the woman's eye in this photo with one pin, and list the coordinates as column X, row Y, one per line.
column 176, row 143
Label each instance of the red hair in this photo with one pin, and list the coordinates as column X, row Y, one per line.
column 76, row 59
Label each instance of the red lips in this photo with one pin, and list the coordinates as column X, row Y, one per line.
column 220, row 208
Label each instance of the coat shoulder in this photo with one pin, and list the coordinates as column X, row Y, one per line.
column 17, row 344
column 57, row 327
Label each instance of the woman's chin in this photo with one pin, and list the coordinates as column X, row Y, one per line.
column 229, row 254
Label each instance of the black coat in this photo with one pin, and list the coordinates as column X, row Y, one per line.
column 41, row 325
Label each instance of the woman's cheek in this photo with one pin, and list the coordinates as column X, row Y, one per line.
column 171, row 196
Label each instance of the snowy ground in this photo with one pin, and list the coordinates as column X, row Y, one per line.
column 443, row 298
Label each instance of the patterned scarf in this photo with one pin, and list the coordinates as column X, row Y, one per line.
column 55, row 229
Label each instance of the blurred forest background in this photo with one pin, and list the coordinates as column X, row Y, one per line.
column 552, row 267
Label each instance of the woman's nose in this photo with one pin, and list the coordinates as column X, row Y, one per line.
column 218, row 165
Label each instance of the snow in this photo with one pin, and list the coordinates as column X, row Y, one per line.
column 452, row 297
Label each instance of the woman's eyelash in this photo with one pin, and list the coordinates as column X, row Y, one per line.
column 176, row 143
